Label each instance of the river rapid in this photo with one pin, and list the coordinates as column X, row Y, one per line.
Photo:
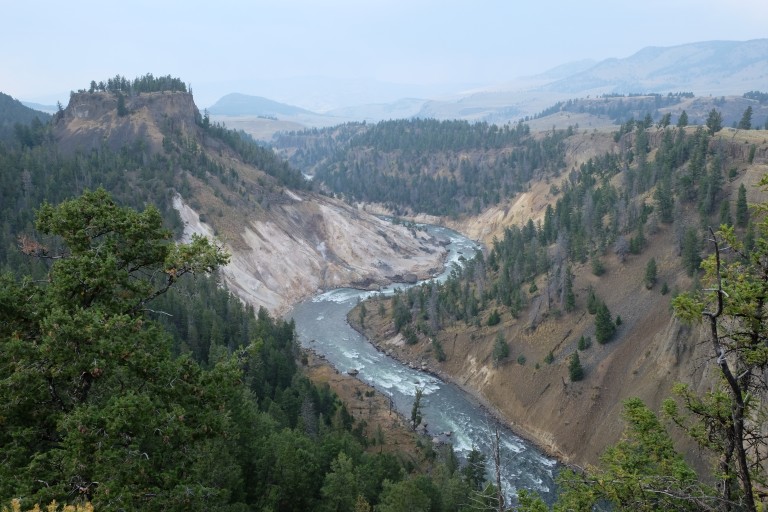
column 321, row 325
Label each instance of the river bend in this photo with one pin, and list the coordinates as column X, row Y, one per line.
column 321, row 325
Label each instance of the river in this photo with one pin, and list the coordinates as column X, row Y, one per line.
column 321, row 324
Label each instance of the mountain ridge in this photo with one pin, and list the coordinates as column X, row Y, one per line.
column 708, row 67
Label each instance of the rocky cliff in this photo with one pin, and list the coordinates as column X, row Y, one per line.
column 285, row 244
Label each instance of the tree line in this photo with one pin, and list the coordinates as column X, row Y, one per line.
column 439, row 167
column 142, row 84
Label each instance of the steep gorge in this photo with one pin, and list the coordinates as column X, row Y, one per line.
column 285, row 244
column 650, row 352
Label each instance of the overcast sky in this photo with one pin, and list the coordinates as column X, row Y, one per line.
column 48, row 48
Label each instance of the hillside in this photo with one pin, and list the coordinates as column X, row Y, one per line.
column 242, row 198
column 522, row 277
column 12, row 111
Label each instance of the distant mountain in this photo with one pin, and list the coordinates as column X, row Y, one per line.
column 236, row 104
column 713, row 67
column 706, row 68
column 567, row 69
column 401, row 109
column 48, row 109
column 12, row 111
column 717, row 68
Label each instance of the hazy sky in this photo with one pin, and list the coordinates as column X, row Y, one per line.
column 51, row 47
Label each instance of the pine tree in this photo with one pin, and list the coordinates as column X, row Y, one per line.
column 575, row 370
column 103, row 392
column 604, row 326
column 742, row 209
column 650, row 273
column 725, row 214
column 570, row 297
column 714, row 121
column 682, row 121
column 746, row 119
column 500, row 349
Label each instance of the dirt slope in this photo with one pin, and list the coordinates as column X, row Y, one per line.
column 650, row 352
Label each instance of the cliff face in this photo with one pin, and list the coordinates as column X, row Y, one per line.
column 574, row 421
column 310, row 243
column 285, row 245
column 91, row 119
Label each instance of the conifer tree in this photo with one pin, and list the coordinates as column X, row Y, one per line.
column 746, row 119
column 742, row 209
column 604, row 326
column 650, row 273
column 575, row 370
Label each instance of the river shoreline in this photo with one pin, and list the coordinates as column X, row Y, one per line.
column 480, row 401
column 455, row 414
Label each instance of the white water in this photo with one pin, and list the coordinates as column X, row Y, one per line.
column 321, row 325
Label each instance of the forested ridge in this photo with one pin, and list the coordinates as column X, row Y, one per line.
column 15, row 117
column 427, row 166
column 590, row 218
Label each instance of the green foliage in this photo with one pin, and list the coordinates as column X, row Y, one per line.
column 575, row 370
column 94, row 372
column 746, row 119
column 732, row 303
column 96, row 405
column 691, row 252
column 147, row 83
column 401, row 312
column 409, row 333
column 604, row 326
column 725, row 214
column 473, row 471
column 598, row 268
column 392, row 162
column 494, row 318
column 122, row 110
column 415, row 494
column 642, row 472
column 439, row 351
column 361, row 315
column 714, row 121
column 13, row 113
column 650, row 273
column 584, row 342
column 742, row 209
column 549, row 358
column 254, row 154
column 500, row 349
column 570, row 296
column 416, row 408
